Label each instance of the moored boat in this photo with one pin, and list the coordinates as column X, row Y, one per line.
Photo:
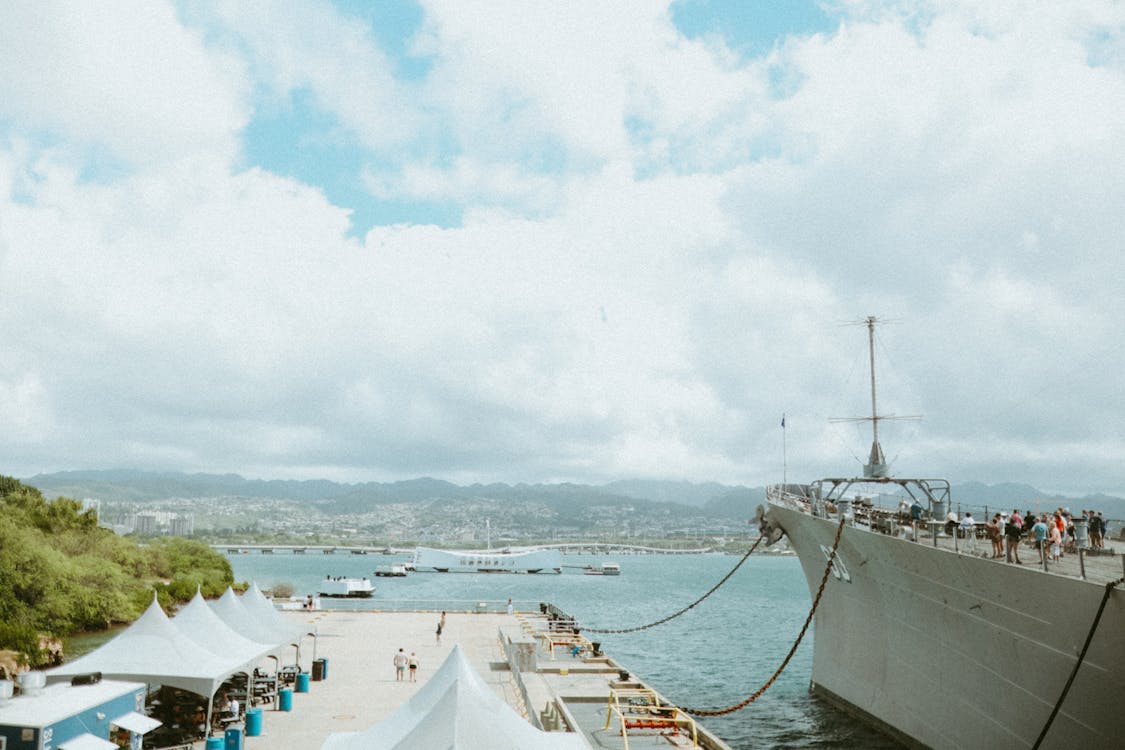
column 605, row 569
column 941, row 647
column 346, row 588
column 397, row 570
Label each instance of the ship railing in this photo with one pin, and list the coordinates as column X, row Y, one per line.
column 640, row 709
column 519, row 650
column 562, row 624
column 794, row 496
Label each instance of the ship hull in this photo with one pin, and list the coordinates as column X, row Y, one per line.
column 945, row 650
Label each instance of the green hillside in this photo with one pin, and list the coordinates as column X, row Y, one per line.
column 61, row 574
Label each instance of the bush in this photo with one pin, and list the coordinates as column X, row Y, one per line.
column 20, row 637
column 282, row 590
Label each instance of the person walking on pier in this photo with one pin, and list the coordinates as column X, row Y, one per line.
column 412, row 662
column 400, row 665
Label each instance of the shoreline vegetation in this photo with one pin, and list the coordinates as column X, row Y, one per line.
column 61, row 574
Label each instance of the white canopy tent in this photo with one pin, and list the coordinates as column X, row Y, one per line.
column 232, row 611
column 155, row 651
column 200, row 623
column 262, row 608
column 254, row 622
column 455, row 710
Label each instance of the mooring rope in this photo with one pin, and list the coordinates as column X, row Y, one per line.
column 1081, row 656
column 804, row 628
column 674, row 615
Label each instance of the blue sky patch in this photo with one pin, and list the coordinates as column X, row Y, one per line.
column 750, row 27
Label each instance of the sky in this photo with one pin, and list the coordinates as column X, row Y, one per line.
column 544, row 242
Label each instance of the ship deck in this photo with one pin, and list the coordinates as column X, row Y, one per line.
column 1099, row 567
column 360, row 689
column 983, row 643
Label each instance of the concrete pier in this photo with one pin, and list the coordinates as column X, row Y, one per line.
column 361, row 689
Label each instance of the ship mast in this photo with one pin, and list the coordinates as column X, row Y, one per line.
column 876, row 465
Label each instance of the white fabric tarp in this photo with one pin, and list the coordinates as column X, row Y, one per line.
column 136, row 722
column 153, row 650
column 455, row 710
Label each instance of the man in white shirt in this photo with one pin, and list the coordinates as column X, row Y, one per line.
column 969, row 530
column 400, row 665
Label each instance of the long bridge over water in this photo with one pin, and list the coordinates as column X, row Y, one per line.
column 567, row 548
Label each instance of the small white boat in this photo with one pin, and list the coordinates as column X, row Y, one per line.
column 397, row 570
column 346, row 588
column 605, row 569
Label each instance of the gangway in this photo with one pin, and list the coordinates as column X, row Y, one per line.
column 640, row 709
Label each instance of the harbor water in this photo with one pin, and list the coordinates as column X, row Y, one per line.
column 713, row 656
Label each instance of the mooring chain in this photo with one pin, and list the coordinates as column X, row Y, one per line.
column 808, row 620
column 674, row 615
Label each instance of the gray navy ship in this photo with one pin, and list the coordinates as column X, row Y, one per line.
column 945, row 647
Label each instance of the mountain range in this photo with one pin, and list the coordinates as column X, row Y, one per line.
column 709, row 498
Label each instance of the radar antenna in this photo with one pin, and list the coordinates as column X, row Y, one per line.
column 876, row 466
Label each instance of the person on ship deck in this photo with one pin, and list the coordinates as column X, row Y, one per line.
column 992, row 531
column 1013, row 529
column 969, row 530
column 1040, row 532
column 915, row 517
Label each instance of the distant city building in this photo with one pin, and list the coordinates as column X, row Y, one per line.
column 145, row 524
column 182, row 525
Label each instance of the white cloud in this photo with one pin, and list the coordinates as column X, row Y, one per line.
column 307, row 46
column 646, row 298
column 125, row 76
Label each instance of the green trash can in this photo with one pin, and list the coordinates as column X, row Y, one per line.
column 233, row 739
column 214, row 743
column 285, row 699
column 303, row 682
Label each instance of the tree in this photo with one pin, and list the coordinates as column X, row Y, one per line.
column 61, row 573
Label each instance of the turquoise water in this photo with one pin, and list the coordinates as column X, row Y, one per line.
column 714, row 656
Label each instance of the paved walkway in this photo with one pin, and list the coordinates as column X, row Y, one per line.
column 360, row 688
